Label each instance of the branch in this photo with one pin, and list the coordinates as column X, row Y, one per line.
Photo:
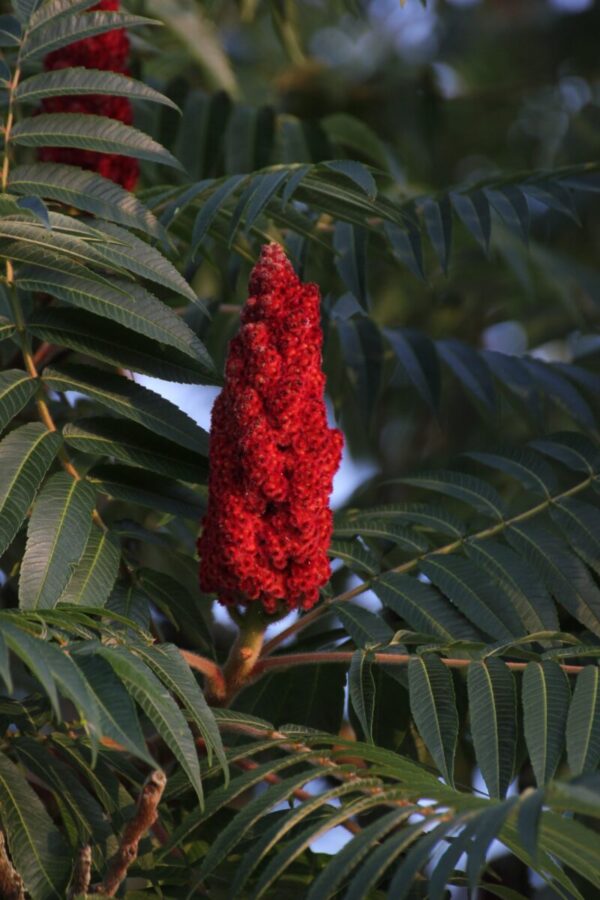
column 392, row 659
column 215, row 680
column 82, row 875
column 323, row 608
column 145, row 816
column 11, row 883
column 45, row 353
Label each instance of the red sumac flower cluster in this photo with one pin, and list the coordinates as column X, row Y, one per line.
column 272, row 454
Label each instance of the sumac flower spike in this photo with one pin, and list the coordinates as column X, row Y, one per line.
column 272, row 453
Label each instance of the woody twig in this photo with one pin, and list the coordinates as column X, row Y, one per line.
column 80, row 883
column 11, row 883
column 144, row 818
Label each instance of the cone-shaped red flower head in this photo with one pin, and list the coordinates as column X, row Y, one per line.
column 272, row 454
column 109, row 52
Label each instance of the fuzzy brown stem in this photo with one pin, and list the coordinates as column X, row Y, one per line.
column 145, row 816
column 391, row 659
column 82, row 875
column 245, row 651
column 11, row 883
column 216, row 686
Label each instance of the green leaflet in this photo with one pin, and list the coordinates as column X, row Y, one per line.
column 138, row 256
column 79, row 81
column 86, row 191
column 434, row 518
column 7, row 328
column 56, row 9
column 471, row 371
column 363, row 626
column 492, row 704
column 124, row 302
column 55, row 33
column 27, row 648
column 474, row 211
column 251, row 813
column 102, row 339
column 520, row 581
column 36, row 845
column 16, row 390
column 186, row 612
column 583, row 723
column 362, row 691
column 24, row 9
column 418, row 359
column 118, row 716
column 167, row 662
column 80, row 812
column 352, row 855
column 33, row 242
column 566, row 577
column 129, row 443
column 159, row 706
column 433, row 706
column 25, row 456
column 137, row 486
column 301, row 841
column 130, row 400
column 90, row 132
column 471, row 490
column 546, row 696
column 438, row 223
column 411, row 540
column 422, row 607
column 318, row 699
column 55, row 669
column 469, row 589
column 528, row 468
column 355, row 556
column 95, row 573
column 56, row 537
column 129, row 600
column 224, row 795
